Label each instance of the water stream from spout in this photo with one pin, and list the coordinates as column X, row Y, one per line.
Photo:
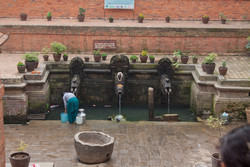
column 120, row 97
column 168, row 102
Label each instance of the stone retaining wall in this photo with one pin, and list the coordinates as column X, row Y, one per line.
column 153, row 9
column 2, row 145
column 129, row 39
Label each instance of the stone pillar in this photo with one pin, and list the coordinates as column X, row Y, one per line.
column 2, row 145
column 150, row 104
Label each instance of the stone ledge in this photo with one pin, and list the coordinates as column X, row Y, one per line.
column 42, row 164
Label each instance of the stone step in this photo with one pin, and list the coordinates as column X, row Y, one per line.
column 36, row 117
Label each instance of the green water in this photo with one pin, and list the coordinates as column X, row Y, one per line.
column 132, row 113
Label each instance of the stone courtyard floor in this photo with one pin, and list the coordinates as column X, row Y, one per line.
column 155, row 144
column 238, row 66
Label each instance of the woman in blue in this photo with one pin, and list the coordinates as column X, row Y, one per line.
column 71, row 105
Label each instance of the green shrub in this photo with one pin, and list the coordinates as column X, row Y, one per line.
column 224, row 64
column 31, row 57
column 210, row 58
column 20, row 63
column 144, row 53
column 97, row 52
column 49, row 14
column 142, row 16
column 57, row 47
column 81, row 11
column 104, row 55
column 45, row 50
column 151, row 57
column 177, row 53
column 133, row 57
column 65, row 54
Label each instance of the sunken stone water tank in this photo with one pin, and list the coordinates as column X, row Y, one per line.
column 93, row 147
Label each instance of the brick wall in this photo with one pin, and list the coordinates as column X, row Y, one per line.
column 153, row 9
column 129, row 39
column 2, row 145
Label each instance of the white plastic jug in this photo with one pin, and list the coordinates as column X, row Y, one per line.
column 81, row 117
column 79, row 120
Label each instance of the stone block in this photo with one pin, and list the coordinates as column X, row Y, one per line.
column 170, row 117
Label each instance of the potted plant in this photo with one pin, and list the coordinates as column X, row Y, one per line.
column 30, row 61
column 97, row 55
column 209, row 63
column 144, row 56
column 111, row 19
column 141, row 18
column 57, row 48
column 49, row 16
column 36, row 60
column 203, row 66
column 175, row 65
column 184, row 57
column 205, row 19
column 215, row 123
column 104, row 56
column 20, row 67
column 65, row 56
column 223, row 18
column 175, row 56
column 248, row 46
column 133, row 58
column 223, row 68
column 167, row 19
column 20, row 158
column 81, row 15
column 46, row 51
column 152, row 58
column 86, row 58
column 23, row 16
column 195, row 59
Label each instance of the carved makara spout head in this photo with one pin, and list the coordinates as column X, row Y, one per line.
column 119, row 76
column 119, row 89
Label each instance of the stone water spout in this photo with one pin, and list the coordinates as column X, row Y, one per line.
column 76, row 74
column 166, row 72
column 165, row 82
column 119, row 82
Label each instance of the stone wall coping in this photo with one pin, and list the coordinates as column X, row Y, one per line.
column 15, row 97
column 21, row 85
column 44, row 79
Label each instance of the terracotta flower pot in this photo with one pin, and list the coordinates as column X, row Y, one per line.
column 81, row 17
column 223, row 70
column 210, row 68
column 30, row 65
column 111, row 20
column 97, row 58
column 23, row 16
column 21, row 69
column 134, row 61
column 65, row 58
column 57, row 57
column 223, row 21
column 45, row 57
column 167, row 19
column 205, row 20
column 216, row 161
column 104, row 57
column 152, row 60
column 144, row 59
column 86, row 59
column 49, row 18
column 20, row 159
column 203, row 67
column 195, row 60
column 184, row 59
column 140, row 20
column 175, row 59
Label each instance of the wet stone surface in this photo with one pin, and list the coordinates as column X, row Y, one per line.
column 154, row 144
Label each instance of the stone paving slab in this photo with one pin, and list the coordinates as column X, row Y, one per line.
column 41, row 164
column 152, row 144
column 238, row 66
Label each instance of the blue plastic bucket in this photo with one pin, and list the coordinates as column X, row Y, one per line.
column 64, row 117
